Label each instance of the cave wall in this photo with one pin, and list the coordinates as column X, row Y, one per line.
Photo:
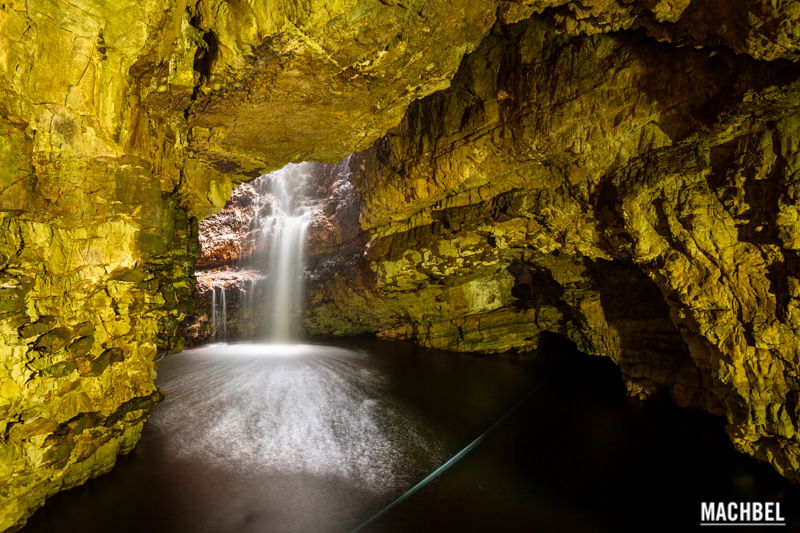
column 121, row 124
column 628, row 179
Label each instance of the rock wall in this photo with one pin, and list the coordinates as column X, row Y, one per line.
column 625, row 176
column 604, row 143
column 121, row 124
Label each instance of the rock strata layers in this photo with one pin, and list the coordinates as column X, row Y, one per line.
column 636, row 196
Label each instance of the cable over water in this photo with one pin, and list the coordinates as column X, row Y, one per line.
column 447, row 464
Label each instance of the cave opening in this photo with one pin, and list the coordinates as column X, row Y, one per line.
column 253, row 269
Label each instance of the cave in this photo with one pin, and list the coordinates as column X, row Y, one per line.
column 378, row 265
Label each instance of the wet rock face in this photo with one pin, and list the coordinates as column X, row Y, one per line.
column 231, row 235
column 95, row 279
column 638, row 197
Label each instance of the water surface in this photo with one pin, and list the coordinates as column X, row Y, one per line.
column 319, row 438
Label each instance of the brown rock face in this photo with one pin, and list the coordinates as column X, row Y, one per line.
column 638, row 197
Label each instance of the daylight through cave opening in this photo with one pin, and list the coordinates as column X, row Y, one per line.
column 252, row 273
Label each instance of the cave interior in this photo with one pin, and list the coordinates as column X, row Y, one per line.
column 497, row 196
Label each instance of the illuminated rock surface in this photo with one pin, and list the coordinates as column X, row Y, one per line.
column 122, row 123
column 637, row 198
column 610, row 171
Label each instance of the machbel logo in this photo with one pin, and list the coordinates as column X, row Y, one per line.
column 741, row 514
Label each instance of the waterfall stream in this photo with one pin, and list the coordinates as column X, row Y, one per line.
column 219, row 315
column 272, row 297
column 213, row 318
column 285, row 232
column 222, row 334
column 285, row 229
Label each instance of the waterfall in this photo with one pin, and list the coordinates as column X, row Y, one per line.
column 285, row 228
column 219, row 315
column 213, row 313
column 224, row 316
column 269, row 290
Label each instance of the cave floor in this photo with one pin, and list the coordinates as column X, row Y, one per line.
column 320, row 438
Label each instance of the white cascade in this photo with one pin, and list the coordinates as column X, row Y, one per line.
column 286, row 228
column 213, row 312
column 223, row 316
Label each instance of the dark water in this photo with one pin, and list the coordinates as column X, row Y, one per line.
column 320, row 438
